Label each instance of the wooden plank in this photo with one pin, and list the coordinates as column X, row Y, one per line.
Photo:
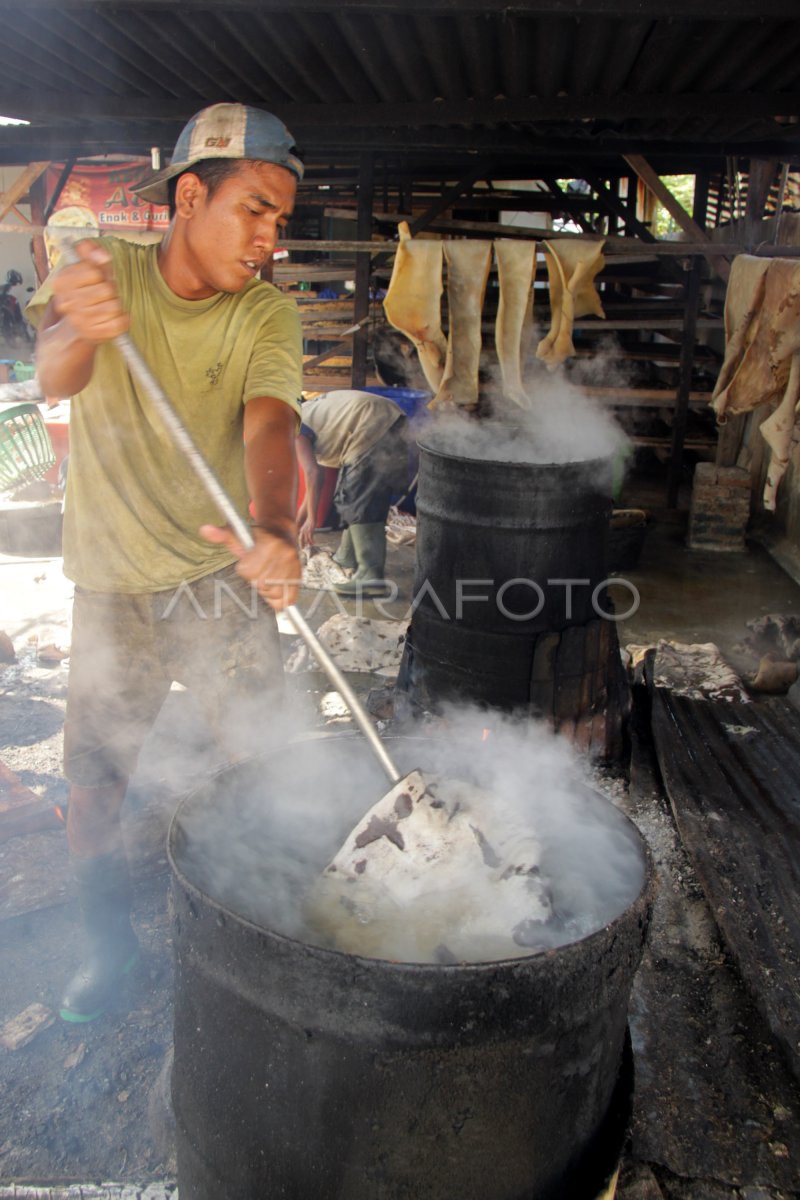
column 361, row 302
column 689, row 443
column 36, row 817
column 543, row 674
column 644, row 397
column 570, row 667
column 329, row 381
column 38, row 199
column 730, row 771
column 13, row 792
column 614, row 247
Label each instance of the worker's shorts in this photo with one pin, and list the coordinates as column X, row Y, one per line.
column 364, row 488
column 215, row 636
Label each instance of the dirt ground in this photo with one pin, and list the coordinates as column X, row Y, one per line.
column 716, row 1113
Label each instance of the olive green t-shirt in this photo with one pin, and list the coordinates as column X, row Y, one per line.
column 133, row 503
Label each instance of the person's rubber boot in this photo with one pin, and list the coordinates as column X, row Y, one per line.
column 104, row 895
column 369, row 544
column 345, row 555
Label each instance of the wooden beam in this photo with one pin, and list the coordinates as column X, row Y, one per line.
column 22, row 144
column 759, row 182
column 38, row 198
column 660, row 190
column 684, row 382
column 448, row 196
column 702, row 183
column 21, row 186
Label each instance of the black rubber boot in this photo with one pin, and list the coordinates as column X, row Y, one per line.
column 369, row 544
column 345, row 555
column 104, row 895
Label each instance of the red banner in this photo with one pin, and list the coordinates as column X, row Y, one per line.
column 105, row 190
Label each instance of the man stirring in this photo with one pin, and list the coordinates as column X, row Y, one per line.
column 162, row 593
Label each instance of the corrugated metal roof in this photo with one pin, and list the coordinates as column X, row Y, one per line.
column 549, row 80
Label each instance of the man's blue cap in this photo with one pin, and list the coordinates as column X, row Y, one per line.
column 225, row 131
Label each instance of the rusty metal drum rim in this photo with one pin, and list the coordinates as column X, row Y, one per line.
column 521, row 464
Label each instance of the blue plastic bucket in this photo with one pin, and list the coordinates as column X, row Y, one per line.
column 410, row 400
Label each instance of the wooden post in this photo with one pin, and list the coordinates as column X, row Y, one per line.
column 358, row 376
column 646, row 173
column 691, row 294
column 38, row 200
column 633, row 197
column 702, row 182
column 759, row 182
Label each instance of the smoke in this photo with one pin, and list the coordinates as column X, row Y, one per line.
column 561, row 425
column 256, row 839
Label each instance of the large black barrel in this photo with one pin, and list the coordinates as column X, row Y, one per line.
column 306, row 1073
column 530, row 537
column 506, row 551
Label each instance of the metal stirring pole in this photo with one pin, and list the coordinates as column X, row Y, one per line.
column 184, row 441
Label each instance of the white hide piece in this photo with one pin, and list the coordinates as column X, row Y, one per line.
column 468, row 266
column 434, row 872
column 413, row 301
column 516, row 271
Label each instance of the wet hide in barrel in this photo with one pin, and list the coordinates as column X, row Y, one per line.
column 467, row 272
column 516, row 271
column 572, row 267
column 437, row 871
column 413, row 301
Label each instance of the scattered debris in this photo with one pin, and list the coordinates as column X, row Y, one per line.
column 777, row 633
column 401, row 528
column 23, row 1028
column 697, row 671
column 774, row 675
column 320, row 572
column 51, row 654
column 333, row 708
column 7, row 652
column 380, row 702
column 92, row 1191
column 13, row 791
column 356, row 644
column 76, row 1057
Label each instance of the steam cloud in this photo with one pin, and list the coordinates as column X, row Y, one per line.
column 562, row 425
column 256, row 839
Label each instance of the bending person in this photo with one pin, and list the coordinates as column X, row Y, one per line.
column 366, row 438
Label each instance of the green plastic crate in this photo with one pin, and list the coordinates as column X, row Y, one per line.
column 26, row 452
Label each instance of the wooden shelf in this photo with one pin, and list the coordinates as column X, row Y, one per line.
column 644, row 397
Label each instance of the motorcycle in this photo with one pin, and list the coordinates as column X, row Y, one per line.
column 15, row 331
